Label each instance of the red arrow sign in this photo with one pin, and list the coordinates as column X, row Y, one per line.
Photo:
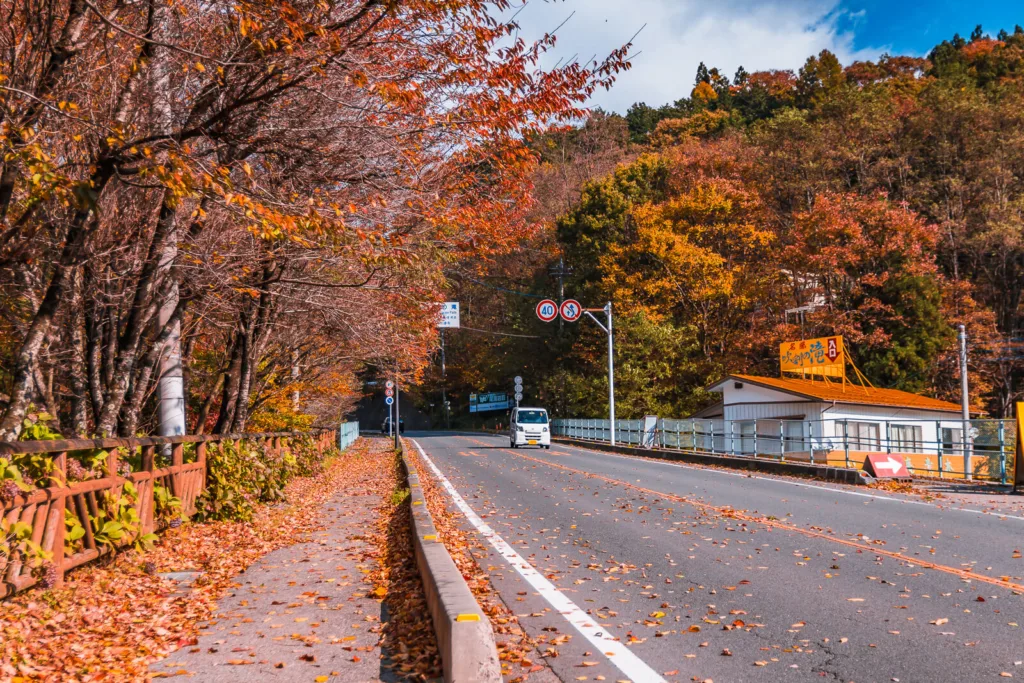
column 885, row 466
column 833, row 348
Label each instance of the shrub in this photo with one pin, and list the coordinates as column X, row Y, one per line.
column 244, row 473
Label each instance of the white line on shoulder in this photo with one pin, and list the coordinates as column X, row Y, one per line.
column 618, row 654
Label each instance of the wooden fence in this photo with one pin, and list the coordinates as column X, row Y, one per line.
column 43, row 509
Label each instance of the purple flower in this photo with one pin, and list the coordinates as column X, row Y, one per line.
column 49, row 579
column 76, row 471
column 8, row 490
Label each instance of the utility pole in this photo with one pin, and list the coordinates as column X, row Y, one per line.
column 611, row 365
column 965, row 405
column 560, row 272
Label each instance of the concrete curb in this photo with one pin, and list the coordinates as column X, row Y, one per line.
column 838, row 474
column 464, row 635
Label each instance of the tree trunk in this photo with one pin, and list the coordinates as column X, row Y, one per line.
column 204, row 411
column 171, row 387
column 74, row 242
column 143, row 379
column 230, row 394
column 76, row 371
column 258, row 333
column 142, row 309
column 94, row 357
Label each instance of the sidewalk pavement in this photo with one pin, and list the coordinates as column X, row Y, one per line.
column 302, row 613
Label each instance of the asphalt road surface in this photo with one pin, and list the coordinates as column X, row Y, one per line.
column 678, row 573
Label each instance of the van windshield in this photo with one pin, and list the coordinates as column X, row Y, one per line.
column 532, row 417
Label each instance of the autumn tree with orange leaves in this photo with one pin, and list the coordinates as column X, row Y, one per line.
column 280, row 181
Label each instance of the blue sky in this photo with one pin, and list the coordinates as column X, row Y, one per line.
column 915, row 27
column 757, row 34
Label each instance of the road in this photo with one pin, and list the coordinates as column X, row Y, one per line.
column 686, row 573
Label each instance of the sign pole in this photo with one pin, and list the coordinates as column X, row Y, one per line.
column 611, row 361
column 444, row 398
column 1018, row 460
column 395, row 423
column 611, row 373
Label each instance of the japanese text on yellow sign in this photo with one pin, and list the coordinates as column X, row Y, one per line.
column 822, row 357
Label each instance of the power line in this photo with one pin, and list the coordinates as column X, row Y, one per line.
column 502, row 289
column 500, row 334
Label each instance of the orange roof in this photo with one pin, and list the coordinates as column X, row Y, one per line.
column 834, row 390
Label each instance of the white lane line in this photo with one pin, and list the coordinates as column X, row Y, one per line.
column 972, row 511
column 634, row 668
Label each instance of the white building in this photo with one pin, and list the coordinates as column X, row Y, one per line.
column 837, row 423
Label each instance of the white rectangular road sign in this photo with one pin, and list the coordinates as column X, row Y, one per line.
column 449, row 314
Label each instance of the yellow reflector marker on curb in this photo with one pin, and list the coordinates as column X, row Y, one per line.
column 417, row 502
column 468, row 617
column 430, row 537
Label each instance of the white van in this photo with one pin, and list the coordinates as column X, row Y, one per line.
column 529, row 427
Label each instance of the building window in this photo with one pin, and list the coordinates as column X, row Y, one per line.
column 793, row 430
column 906, row 438
column 952, row 441
column 863, row 436
column 747, row 437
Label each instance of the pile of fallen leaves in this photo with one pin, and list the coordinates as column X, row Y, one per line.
column 111, row 620
column 408, row 643
column 902, row 486
column 516, row 650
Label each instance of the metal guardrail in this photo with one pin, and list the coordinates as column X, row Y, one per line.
column 948, row 448
column 348, row 432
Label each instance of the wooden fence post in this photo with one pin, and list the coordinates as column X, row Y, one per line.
column 177, row 458
column 56, row 520
column 148, row 511
column 201, row 459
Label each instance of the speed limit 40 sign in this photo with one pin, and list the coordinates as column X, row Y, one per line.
column 547, row 310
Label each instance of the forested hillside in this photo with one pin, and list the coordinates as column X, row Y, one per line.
column 888, row 194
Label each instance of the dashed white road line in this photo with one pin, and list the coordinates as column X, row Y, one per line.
column 634, row 668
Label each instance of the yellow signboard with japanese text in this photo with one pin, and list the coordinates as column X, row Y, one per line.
column 822, row 357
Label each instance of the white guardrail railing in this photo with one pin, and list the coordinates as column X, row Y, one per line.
column 947, row 448
column 347, row 433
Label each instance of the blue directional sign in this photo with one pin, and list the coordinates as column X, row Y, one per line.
column 389, row 400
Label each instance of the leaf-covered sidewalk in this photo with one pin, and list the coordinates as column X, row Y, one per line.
column 299, row 594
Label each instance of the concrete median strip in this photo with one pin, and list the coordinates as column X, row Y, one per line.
column 825, row 473
column 464, row 635
column 633, row 668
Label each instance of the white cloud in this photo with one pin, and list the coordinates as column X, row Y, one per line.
column 679, row 34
